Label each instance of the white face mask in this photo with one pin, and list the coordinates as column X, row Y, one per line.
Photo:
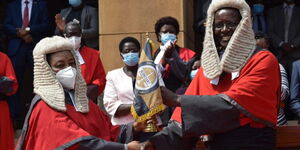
column 67, row 77
column 76, row 41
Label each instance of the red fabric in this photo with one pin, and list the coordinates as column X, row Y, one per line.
column 6, row 69
column 92, row 70
column 185, row 54
column 26, row 15
column 6, row 127
column 255, row 89
column 49, row 129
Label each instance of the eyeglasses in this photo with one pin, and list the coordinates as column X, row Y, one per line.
column 230, row 25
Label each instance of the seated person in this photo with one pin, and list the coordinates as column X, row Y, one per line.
column 8, row 86
column 90, row 63
column 60, row 115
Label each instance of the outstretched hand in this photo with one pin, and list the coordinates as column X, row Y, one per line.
column 169, row 98
column 147, row 146
column 134, row 145
column 141, row 126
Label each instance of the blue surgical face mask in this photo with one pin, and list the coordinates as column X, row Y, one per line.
column 75, row 3
column 258, row 9
column 193, row 73
column 165, row 37
column 131, row 59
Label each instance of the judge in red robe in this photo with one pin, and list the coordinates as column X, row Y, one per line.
column 61, row 116
column 234, row 97
column 8, row 86
column 89, row 59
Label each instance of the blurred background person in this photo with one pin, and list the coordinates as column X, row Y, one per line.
column 174, row 63
column 283, row 29
column 90, row 63
column 118, row 94
column 258, row 17
column 263, row 42
column 25, row 23
column 8, row 86
column 88, row 18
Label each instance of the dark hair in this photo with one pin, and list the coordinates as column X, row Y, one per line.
column 129, row 39
column 166, row 21
column 72, row 23
column 260, row 35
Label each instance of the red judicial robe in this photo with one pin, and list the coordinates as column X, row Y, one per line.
column 6, row 127
column 92, row 69
column 255, row 92
column 48, row 129
column 238, row 113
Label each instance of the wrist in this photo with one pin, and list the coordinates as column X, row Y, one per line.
column 178, row 100
column 143, row 146
column 125, row 146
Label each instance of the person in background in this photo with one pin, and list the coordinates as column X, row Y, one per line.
column 259, row 22
column 174, row 63
column 25, row 24
column 234, row 96
column 88, row 17
column 263, row 42
column 90, row 63
column 61, row 116
column 283, row 28
column 8, row 86
column 294, row 103
column 118, row 98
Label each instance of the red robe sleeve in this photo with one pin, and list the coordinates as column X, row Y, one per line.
column 99, row 75
column 7, row 70
column 92, row 70
column 48, row 129
column 255, row 92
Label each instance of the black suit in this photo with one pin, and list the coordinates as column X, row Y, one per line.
column 20, row 52
column 276, row 30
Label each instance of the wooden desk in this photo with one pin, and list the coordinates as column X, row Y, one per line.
column 288, row 138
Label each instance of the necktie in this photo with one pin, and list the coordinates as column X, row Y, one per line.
column 26, row 15
column 286, row 23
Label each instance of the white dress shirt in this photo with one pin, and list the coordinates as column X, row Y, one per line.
column 29, row 8
column 119, row 90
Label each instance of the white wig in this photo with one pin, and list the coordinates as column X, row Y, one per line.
column 240, row 47
column 45, row 83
